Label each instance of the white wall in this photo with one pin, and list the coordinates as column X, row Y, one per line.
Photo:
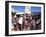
column 2, row 18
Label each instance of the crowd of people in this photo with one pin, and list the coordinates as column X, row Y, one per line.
column 26, row 22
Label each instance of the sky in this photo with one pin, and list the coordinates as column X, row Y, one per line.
column 18, row 8
column 35, row 9
column 22, row 8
